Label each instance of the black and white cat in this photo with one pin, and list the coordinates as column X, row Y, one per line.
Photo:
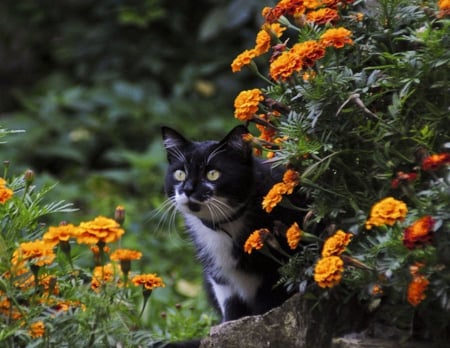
column 218, row 187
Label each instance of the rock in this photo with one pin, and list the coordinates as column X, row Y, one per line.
column 299, row 323
column 281, row 327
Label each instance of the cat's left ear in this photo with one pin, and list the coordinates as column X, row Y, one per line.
column 173, row 142
column 235, row 140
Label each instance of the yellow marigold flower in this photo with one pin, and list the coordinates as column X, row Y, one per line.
column 322, row 16
column 255, row 240
column 386, row 212
column 247, row 103
column 243, row 59
column 148, row 281
column 5, row 192
column 337, row 37
column 37, row 329
column 38, row 252
column 125, row 254
column 293, row 235
column 61, row 233
column 336, row 244
column 328, row 271
column 101, row 229
column 416, row 290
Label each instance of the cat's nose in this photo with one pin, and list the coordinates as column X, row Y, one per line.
column 188, row 188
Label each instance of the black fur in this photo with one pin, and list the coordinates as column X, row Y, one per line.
column 238, row 283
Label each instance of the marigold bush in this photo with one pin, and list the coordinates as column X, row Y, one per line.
column 356, row 103
column 48, row 296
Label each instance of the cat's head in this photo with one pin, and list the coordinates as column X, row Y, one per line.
column 209, row 179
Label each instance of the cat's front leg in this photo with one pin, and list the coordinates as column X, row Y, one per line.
column 230, row 304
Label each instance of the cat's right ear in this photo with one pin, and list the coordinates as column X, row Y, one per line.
column 173, row 142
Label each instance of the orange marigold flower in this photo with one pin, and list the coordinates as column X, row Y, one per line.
column 101, row 229
column 416, row 290
column 293, row 235
column 61, row 233
column 337, row 37
column 125, row 254
column 103, row 274
column 291, row 178
column 274, row 196
column 419, row 233
column 328, row 271
column 38, row 252
column 5, row 192
column 255, row 240
column 444, row 8
column 312, row 4
column 376, row 290
column 247, row 103
column 284, row 65
column 37, row 329
column 336, row 244
column 148, row 281
column 243, row 59
column 435, row 161
column 322, row 16
column 308, row 51
column 386, row 212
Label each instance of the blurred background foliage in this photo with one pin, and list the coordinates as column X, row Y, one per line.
column 91, row 82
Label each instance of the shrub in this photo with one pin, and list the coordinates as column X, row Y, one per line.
column 356, row 103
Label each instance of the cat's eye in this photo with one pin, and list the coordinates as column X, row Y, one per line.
column 213, row 175
column 179, row 175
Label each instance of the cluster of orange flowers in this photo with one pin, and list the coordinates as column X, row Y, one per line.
column 387, row 212
column 290, row 180
column 30, row 258
column 417, row 286
column 5, row 192
column 329, row 269
column 263, row 236
column 284, row 61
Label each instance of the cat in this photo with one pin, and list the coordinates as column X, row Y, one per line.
column 218, row 187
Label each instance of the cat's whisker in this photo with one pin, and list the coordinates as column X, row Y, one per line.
column 167, row 215
column 221, row 210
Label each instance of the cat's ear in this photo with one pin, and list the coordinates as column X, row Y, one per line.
column 174, row 142
column 235, row 140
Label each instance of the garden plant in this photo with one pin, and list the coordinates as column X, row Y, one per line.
column 356, row 107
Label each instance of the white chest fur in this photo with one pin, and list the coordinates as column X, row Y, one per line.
column 218, row 246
